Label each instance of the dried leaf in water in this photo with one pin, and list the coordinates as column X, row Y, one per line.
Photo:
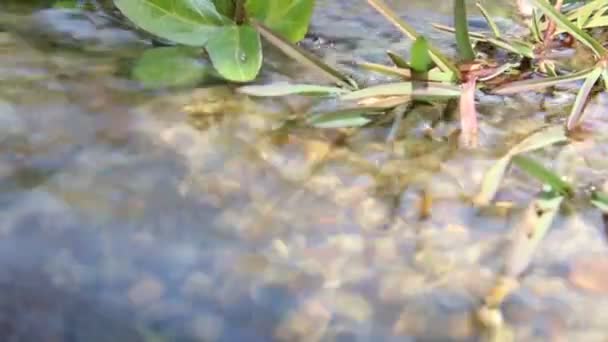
column 528, row 233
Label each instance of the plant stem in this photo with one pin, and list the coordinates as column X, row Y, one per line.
column 239, row 11
column 462, row 32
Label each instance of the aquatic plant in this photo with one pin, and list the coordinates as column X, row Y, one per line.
column 224, row 28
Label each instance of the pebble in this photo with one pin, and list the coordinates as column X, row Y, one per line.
column 590, row 274
column 308, row 322
column 197, row 285
column 145, row 291
column 207, row 327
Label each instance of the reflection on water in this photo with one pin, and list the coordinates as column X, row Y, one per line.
column 188, row 216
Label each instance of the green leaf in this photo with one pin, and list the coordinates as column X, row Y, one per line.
column 421, row 60
column 540, row 83
column 189, row 22
column 577, row 112
column 529, row 232
column 441, row 60
column 386, row 70
column 516, row 46
column 236, row 53
column 536, row 33
column 283, row 89
column 423, row 89
column 493, row 177
column 600, row 200
column 225, row 7
column 463, row 42
column 355, row 117
column 544, row 175
column 399, row 61
column 489, row 20
column 170, row 67
column 564, row 23
column 290, row 18
column 304, row 57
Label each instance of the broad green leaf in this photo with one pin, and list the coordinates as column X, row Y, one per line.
column 236, row 53
column 305, row 58
column 284, row 89
column 463, row 42
column 600, row 200
column 442, row 61
column 493, row 177
column 564, row 23
column 544, row 175
column 355, row 117
column 189, row 22
column 489, row 20
column 171, row 67
column 225, row 7
column 577, row 113
column 530, row 230
column 290, row 18
column 423, row 89
column 421, row 60
column 540, row 83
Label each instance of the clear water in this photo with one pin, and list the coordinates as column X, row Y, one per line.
column 186, row 215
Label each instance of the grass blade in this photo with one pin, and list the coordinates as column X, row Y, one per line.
column 399, row 61
column 540, row 83
column 489, row 20
column 284, row 89
column 493, row 177
column 442, row 61
column 430, row 89
column 386, row 70
column 304, row 57
column 355, row 117
column 546, row 176
column 463, row 42
column 600, row 200
column 578, row 109
column 564, row 23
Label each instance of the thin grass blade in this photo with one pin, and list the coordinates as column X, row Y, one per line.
column 355, row 117
column 564, row 23
column 578, row 109
column 493, row 177
column 546, row 176
column 489, row 20
column 441, row 60
column 304, row 57
column 541, row 83
column 386, row 70
column 284, row 89
column 424, row 89
column 399, row 61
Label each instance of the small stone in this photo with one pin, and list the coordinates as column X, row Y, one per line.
column 352, row 305
column 11, row 123
column 348, row 243
column 197, row 285
column 590, row 274
column 146, row 291
column 207, row 327
column 308, row 323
